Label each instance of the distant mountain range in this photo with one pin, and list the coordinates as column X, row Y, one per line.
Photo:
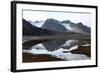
column 62, row 26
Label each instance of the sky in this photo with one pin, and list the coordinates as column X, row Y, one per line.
column 85, row 18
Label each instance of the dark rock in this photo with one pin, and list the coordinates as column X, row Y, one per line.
column 83, row 50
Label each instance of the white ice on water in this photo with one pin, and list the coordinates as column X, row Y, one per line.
column 60, row 53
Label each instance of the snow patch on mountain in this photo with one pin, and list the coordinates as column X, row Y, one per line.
column 67, row 26
column 37, row 24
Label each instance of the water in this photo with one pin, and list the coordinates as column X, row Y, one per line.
column 59, row 49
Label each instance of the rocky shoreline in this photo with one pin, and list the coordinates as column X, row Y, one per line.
column 86, row 50
column 27, row 57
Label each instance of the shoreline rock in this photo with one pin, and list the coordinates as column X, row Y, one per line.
column 82, row 50
column 27, row 57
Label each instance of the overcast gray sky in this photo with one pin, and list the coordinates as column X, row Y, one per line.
column 42, row 15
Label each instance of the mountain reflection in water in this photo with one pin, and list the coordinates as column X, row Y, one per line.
column 58, row 48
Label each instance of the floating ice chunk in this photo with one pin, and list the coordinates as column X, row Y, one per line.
column 74, row 47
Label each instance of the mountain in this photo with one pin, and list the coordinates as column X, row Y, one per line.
column 64, row 26
column 79, row 27
column 29, row 29
column 54, row 25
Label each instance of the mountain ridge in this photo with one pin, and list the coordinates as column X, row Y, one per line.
column 65, row 26
column 29, row 29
